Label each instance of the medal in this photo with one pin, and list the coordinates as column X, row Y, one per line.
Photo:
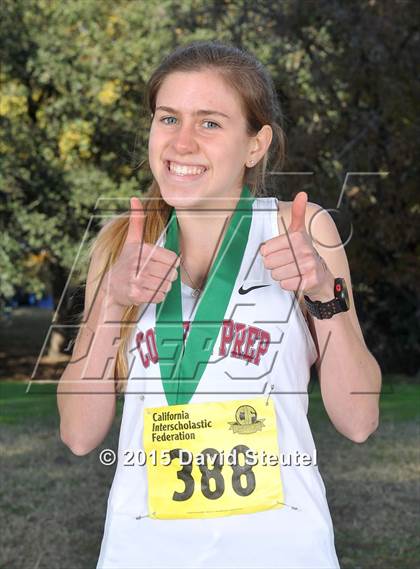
column 182, row 364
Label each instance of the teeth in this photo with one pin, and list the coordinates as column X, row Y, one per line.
column 185, row 170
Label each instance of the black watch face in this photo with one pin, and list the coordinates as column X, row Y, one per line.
column 341, row 294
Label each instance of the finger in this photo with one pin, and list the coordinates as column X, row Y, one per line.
column 289, row 271
column 298, row 212
column 156, row 283
column 161, row 270
column 144, row 295
column 278, row 259
column 136, row 222
column 294, row 283
column 279, row 243
column 165, row 256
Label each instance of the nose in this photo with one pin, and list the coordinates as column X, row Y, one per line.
column 184, row 140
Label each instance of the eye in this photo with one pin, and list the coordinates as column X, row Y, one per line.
column 212, row 123
column 166, row 118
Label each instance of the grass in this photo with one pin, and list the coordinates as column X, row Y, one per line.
column 39, row 402
column 399, row 402
column 18, row 405
column 54, row 503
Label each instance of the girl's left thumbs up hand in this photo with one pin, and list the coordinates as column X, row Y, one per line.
column 293, row 260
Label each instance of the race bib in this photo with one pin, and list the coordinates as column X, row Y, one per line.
column 212, row 459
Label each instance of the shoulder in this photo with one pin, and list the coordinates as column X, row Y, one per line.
column 317, row 219
column 327, row 241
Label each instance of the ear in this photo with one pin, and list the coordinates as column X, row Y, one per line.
column 259, row 144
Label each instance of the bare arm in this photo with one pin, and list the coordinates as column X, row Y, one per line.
column 86, row 391
column 143, row 273
column 349, row 375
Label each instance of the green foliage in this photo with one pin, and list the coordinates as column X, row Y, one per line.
column 75, row 126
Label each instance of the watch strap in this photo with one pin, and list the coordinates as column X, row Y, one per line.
column 323, row 310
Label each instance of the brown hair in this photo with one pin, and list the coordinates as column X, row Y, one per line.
column 248, row 77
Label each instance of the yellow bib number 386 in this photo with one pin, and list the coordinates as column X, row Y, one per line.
column 212, row 459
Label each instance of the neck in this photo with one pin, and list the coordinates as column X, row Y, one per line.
column 200, row 240
column 201, row 235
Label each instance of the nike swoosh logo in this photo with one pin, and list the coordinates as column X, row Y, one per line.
column 246, row 291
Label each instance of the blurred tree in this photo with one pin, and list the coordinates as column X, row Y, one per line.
column 75, row 127
column 72, row 82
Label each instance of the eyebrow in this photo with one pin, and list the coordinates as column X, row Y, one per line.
column 197, row 113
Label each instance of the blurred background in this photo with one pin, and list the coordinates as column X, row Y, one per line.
column 74, row 130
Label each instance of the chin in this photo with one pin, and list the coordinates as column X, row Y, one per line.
column 181, row 197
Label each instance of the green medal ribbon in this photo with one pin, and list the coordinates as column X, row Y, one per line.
column 182, row 364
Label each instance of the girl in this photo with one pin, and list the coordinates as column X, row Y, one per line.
column 195, row 308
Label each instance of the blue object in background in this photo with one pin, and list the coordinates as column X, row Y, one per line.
column 46, row 302
column 29, row 299
column 32, row 299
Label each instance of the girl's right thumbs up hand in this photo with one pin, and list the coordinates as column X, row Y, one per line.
column 143, row 272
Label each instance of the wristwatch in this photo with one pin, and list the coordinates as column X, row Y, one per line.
column 340, row 302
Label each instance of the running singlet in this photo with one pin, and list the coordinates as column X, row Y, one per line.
column 263, row 353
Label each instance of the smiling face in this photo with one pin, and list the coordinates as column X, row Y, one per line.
column 198, row 144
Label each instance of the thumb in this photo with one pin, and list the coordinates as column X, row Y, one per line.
column 136, row 222
column 298, row 212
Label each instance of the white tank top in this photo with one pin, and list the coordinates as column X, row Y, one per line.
column 283, row 538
